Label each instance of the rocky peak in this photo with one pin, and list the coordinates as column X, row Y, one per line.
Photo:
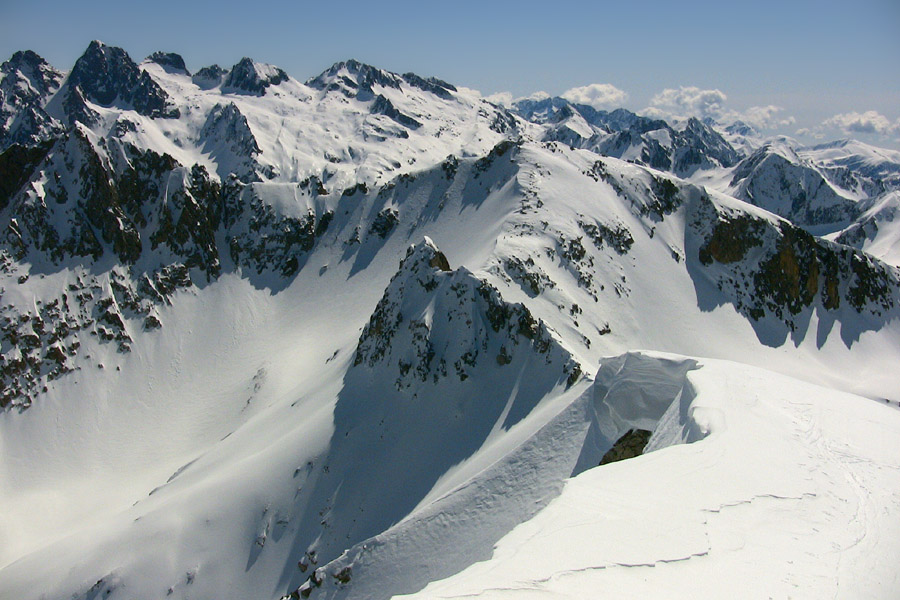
column 106, row 75
column 433, row 85
column 703, row 147
column 353, row 78
column 170, row 61
column 103, row 72
column 250, row 77
column 434, row 322
column 227, row 137
column 778, row 180
column 228, row 124
column 209, row 77
column 27, row 82
column 27, row 66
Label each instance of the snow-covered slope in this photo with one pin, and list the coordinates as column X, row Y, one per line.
column 684, row 149
column 859, row 165
column 877, row 230
column 747, row 477
column 27, row 82
column 776, row 178
column 263, row 337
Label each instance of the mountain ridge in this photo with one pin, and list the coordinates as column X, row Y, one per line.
column 344, row 338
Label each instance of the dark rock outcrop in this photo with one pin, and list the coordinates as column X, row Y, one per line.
column 107, row 76
column 170, row 61
column 27, row 84
column 248, row 77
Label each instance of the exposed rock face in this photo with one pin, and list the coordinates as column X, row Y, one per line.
column 432, row 84
column 170, row 61
column 781, row 270
column 49, row 219
column 39, row 346
column 470, row 325
column 209, row 77
column 106, row 75
column 623, row 134
column 354, row 79
column 630, row 445
column 383, row 106
column 26, row 83
column 17, row 163
column 776, row 179
column 249, row 77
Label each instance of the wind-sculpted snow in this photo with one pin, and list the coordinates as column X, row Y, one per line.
column 457, row 521
column 234, row 391
column 747, row 478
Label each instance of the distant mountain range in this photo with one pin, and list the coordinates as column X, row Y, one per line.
column 265, row 338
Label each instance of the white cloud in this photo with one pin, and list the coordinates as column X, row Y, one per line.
column 689, row 101
column 500, row 98
column 537, row 96
column 598, row 95
column 470, row 91
column 869, row 122
column 656, row 113
column 814, row 133
column 761, row 117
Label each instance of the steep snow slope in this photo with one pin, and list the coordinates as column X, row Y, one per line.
column 878, row 168
column 227, row 374
column 683, row 149
column 247, row 401
column 774, row 177
column 771, row 472
column 877, row 230
column 27, row 82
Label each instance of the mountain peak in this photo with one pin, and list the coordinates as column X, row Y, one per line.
column 40, row 75
column 427, row 252
column 107, row 75
column 27, row 82
column 23, row 58
column 251, row 77
column 170, row 61
column 353, row 78
column 433, row 321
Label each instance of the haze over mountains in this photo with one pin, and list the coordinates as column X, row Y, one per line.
column 355, row 336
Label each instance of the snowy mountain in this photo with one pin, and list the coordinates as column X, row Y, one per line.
column 875, row 169
column 877, row 230
column 26, row 84
column 776, row 178
column 683, row 149
column 370, row 334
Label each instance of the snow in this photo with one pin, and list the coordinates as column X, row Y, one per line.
column 243, row 436
column 771, row 475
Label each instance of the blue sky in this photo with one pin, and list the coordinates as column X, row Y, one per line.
column 811, row 59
